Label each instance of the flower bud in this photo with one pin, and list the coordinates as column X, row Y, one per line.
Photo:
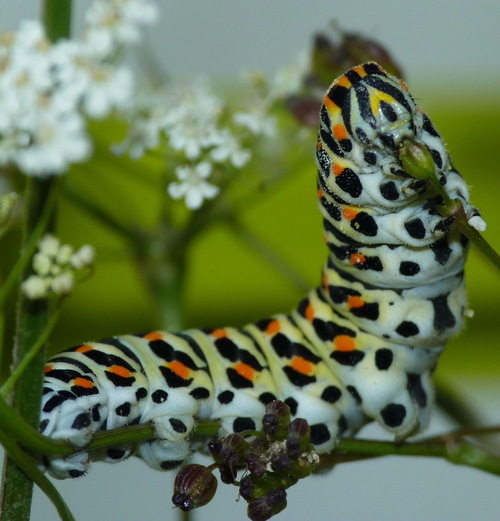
column 194, row 486
column 267, row 506
column 214, row 446
column 299, row 438
column 233, row 450
column 276, row 420
column 417, row 160
column 255, row 465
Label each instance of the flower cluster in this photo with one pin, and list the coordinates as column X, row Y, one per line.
column 275, row 460
column 55, row 266
column 201, row 133
column 47, row 89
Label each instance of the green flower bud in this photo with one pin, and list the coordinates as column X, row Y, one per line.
column 417, row 160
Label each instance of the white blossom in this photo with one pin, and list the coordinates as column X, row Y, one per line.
column 111, row 24
column 192, row 186
column 35, row 287
column 63, row 283
column 229, row 148
column 257, row 122
column 55, row 266
column 49, row 245
column 42, row 263
column 46, row 87
column 84, row 257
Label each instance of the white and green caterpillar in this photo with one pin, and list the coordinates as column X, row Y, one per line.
column 359, row 347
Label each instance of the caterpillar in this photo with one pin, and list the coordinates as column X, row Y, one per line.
column 359, row 347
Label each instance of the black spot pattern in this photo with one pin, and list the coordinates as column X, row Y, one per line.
column 389, row 191
column 349, row 182
column 409, row 268
column 407, row 329
column 393, row 414
column 383, row 358
column 415, row 228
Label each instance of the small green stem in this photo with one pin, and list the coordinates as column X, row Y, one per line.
column 27, row 465
column 30, row 247
column 23, row 364
column 56, row 15
column 31, row 321
column 28, row 436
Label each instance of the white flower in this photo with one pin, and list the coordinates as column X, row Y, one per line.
column 257, row 122
column 193, row 187
column 35, row 287
column 57, row 140
column 228, row 148
column 64, row 254
column 42, row 263
column 55, row 265
column 288, row 80
column 84, row 257
column 63, row 283
column 111, row 24
column 49, row 245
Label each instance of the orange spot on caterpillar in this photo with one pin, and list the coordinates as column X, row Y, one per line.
column 83, row 382
column 339, row 131
column 404, row 86
column 360, row 70
column 329, row 104
column 324, row 281
column 219, row 333
column 179, row 369
column 320, row 193
column 273, row 327
column 349, row 213
column 48, row 368
column 344, row 81
column 355, row 302
column 301, row 365
column 119, row 370
column 154, row 335
column 84, row 348
column 309, row 312
column 245, row 370
column 344, row 343
column 357, row 258
column 337, row 169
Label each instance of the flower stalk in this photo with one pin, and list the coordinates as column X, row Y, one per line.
column 32, row 318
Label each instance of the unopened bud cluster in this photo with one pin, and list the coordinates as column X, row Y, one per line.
column 273, row 461
column 55, row 266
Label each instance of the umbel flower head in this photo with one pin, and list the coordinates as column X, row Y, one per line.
column 55, row 266
column 48, row 88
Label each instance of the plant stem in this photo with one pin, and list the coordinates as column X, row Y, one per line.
column 32, row 317
column 17, row 487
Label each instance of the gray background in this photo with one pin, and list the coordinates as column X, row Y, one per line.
column 453, row 44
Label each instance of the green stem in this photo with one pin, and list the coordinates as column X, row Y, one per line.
column 17, row 486
column 56, row 15
column 23, row 364
column 27, row 436
column 26, row 464
column 29, row 248
column 32, row 318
